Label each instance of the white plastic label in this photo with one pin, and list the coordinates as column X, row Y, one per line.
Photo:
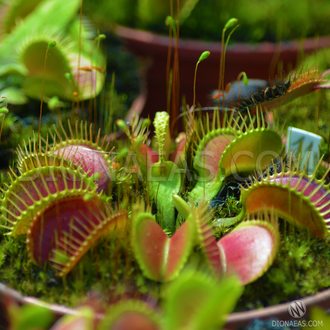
column 306, row 145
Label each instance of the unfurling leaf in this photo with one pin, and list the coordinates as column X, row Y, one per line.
column 160, row 257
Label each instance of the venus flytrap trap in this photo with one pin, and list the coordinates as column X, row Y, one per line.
column 161, row 169
column 164, row 176
column 70, row 211
column 299, row 198
column 131, row 314
column 35, row 317
column 27, row 45
column 79, row 147
column 238, row 253
column 160, row 257
column 66, row 243
column 232, row 149
column 191, row 302
column 84, row 320
column 279, row 92
column 251, row 248
column 34, row 189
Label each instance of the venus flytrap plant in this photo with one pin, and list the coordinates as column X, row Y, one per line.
column 79, row 146
column 269, row 96
column 160, row 257
column 239, row 252
column 192, row 301
column 300, row 199
column 160, row 169
column 81, row 227
column 27, row 46
column 56, row 204
column 230, row 150
column 164, row 176
column 34, row 189
column 29, row 317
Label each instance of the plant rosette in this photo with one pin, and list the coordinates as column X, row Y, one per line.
column 161, row 255
column 69, row 222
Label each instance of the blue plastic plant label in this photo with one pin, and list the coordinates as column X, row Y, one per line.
column 305, row 145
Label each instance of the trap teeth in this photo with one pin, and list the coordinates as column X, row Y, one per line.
column 89, row 160
column 79, row 147
column 31, row 192
column 300, row 199
column 283, row 91
column 64, row 231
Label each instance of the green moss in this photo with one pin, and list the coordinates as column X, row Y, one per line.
column 103, row 267
column 259, row 20
column 301, row 268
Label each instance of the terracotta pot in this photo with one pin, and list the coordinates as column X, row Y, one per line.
column 258, row 61
column 280, row 312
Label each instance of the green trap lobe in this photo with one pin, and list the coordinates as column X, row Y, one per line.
column 34, row 189
column 165, row 181
column 298, row 199
column 209, row 153
column 179, row 249
column 90, row 160
column 251, row 151
column 48, row 228
column 149, row 243
column 161, row 257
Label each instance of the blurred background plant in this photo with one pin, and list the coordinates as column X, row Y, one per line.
column 27, row 34
column 204, row 19
column 310, row 112
column 27, row 30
